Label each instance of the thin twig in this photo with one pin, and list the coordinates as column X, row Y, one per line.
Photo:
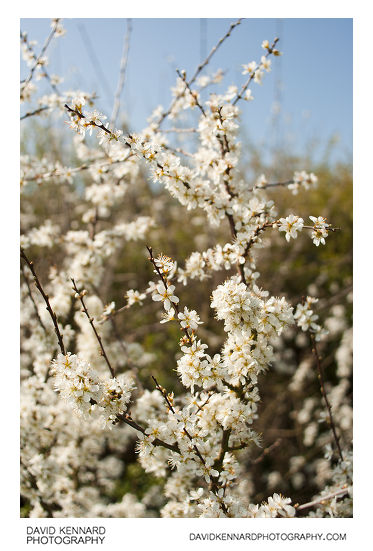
column 35, row 112
column 266, row 451
column 85, row 166
column 170, row 407
column 225, row 149
column 127, row 419
column 30, row 264
column 274, row 184
column 32, row 299
column 179, row 130
column 200, row 67
column 214, row 484
column 101, row 126
column 80, row 295
column 324, row 395
column 322, row 499
column 43, row 50
column 95, row 62
column 252, row 75
column 175, row 305
column 193, row 94
column 122, row 73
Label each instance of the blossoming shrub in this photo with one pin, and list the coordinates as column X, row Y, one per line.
column 154, row 354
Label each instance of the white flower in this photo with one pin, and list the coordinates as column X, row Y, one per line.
column 86, row 391
column 134, row 297
column 291, row 225
column 248, row 95
column 320, row 230
column 166, row 295
column 189, row 319
column 169, row 315
column 265, row 64
column 109, row 309
column 249, row 68
column 164, row 264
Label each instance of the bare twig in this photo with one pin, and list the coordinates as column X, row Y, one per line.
column 95, row 62
column 53, row 316
column 266, row 451
column 32, row 299
column 179, row 130
column 214, row 49
column 274, row 184
column 122, row 73
column 80, row 295
column 324, row 395
column 322, row 499
column 35, row 112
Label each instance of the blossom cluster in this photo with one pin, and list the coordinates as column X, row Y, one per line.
column 87, row 392
column 306, row 318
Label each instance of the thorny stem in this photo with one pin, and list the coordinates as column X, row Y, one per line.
column 112, row 314
column 200, row 408
column 90, row 319
column 318, row 227
column 53, row 316
column 255, row 235
column 324, row 395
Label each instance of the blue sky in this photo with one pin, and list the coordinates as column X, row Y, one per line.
column 312, row 81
